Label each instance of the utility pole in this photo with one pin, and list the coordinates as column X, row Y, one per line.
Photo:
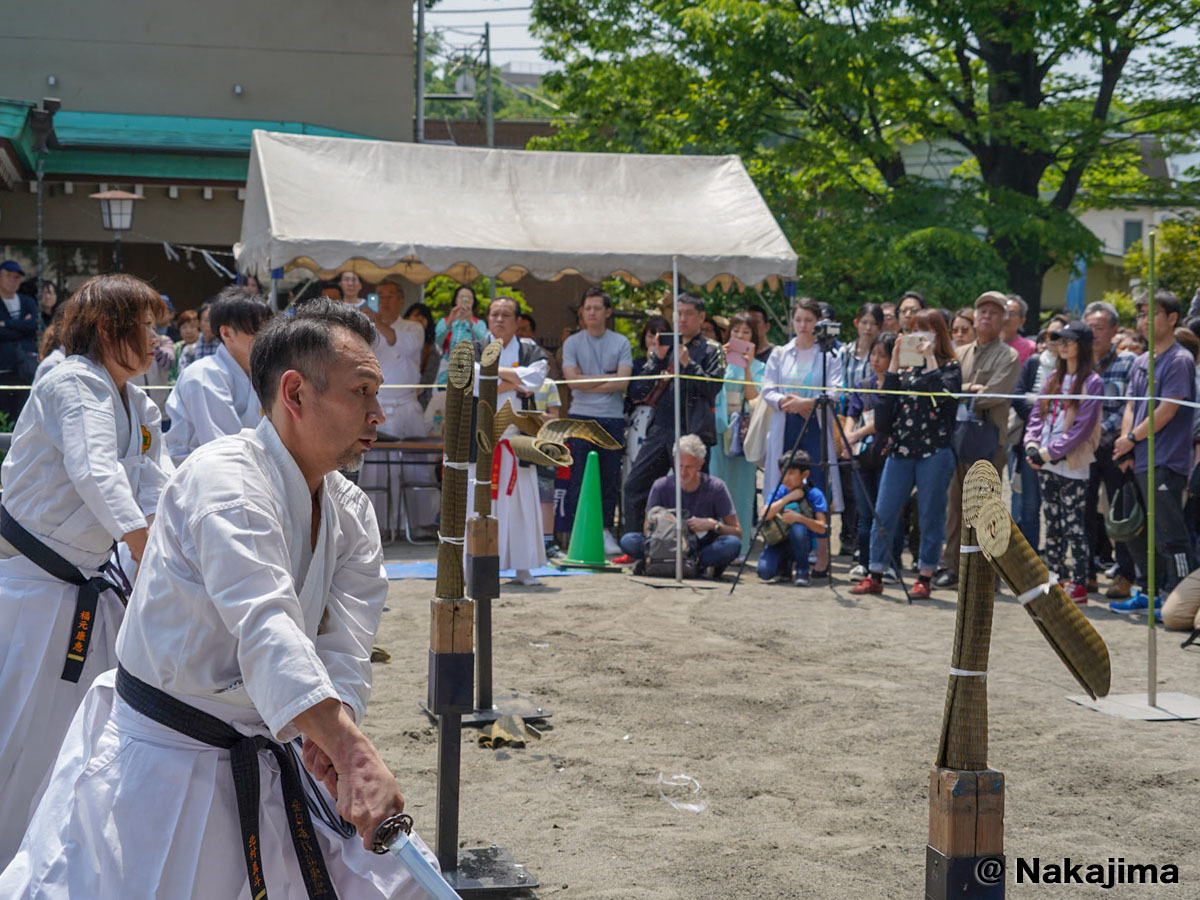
column 487, row 45
column 420, row 71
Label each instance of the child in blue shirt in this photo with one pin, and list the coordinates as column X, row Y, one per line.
column 802, row 508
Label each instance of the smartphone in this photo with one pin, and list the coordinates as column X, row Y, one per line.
column 908, row 350
column 667, row 339
column 373, row 302
column 739, row 352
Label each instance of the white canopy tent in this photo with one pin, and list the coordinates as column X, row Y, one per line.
column 417, row 210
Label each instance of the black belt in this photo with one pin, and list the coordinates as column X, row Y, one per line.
column 243, row 759
column 86, row 597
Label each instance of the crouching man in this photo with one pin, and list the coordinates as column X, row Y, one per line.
column 706, row 500
column 250, row 627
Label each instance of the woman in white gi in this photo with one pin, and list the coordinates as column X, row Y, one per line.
column 517, row 507
column 85, row 470
column 213, row 396
column 796, row 374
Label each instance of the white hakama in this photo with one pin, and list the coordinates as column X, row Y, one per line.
column 213, row 397
column 135, row 810
column 82, row 472
column 237, row 614
column 517, row 507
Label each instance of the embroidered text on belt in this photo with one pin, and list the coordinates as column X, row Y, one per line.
column 501, row 446
column 243, row 759
column 86, row 597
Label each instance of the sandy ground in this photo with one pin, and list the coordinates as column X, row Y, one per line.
column 809, row 716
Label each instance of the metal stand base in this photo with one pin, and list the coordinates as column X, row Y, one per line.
column 502, row 705
column 486, row 870
column 1171, row 706
column 963, row 878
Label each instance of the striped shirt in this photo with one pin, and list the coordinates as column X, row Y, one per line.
column 1114, row 369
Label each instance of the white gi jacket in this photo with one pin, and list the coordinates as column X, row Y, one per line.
column 212, row 398
column 83, row 470
column 234, row 609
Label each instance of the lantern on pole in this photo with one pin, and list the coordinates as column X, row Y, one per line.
column 116, row 215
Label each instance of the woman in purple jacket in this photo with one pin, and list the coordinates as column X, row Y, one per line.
column 1061, row 437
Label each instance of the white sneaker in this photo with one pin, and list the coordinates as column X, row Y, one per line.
column 611, row 547
column 890, row 576
column 524, row 576
column 859, row 571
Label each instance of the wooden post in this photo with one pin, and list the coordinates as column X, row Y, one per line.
column 965, row 854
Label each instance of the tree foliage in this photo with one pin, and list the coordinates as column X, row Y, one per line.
column 1176, row 257
column 1041, row 106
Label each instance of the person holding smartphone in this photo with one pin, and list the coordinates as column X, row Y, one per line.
column 918, row 431
column 743, row 384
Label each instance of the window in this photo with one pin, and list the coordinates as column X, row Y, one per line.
column 1133, row 232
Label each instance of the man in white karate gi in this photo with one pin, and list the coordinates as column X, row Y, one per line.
column 250, row 626
column 214, row 396
column 517, row 506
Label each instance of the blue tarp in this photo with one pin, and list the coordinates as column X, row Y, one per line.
column 428, row 570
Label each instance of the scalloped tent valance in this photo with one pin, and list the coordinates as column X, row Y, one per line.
column 332, row 204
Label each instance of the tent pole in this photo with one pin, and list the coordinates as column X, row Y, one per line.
column 420, row 136
column 1151, row 484
column 675, row 387
column 487, row 45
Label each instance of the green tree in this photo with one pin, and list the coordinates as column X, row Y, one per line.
column 1176, row 257
column 1042, row 107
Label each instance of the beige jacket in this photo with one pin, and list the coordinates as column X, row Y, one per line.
column 996, row 366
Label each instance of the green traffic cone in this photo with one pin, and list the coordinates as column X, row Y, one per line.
column 587, row 533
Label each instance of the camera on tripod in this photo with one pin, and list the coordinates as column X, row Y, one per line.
column 826, row 333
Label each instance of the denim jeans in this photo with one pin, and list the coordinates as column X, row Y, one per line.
column 715, row 550
column 932, row 477
column 793, row 550
column 610, row 469
column 1026, row 505
column 865, row 497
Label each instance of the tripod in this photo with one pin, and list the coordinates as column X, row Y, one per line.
column 823, row 411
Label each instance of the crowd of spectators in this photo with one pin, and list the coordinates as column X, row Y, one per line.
column 1047, row 407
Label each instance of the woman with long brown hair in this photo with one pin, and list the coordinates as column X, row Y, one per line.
column 85, row 471
column 917, row 431
column 1061, row 438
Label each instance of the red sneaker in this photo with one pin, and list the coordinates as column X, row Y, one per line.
column 919, row 591
column 1078, row 593
column 623, row 560
column 869, row 585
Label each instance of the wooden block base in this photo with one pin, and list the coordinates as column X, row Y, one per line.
column 966, row 812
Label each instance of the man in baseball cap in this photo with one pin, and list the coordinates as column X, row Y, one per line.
column 18, row 338
column 989, row 366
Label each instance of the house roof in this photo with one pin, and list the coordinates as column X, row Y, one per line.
column 141, row 147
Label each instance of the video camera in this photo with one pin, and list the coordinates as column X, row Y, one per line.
column 826, row 333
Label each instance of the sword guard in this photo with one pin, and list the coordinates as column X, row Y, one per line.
column 388, row 829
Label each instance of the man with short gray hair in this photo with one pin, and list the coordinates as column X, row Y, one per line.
column 706, row 499
column 1014, row 320
column 1113, row 367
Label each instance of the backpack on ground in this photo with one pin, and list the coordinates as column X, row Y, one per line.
column 661, row 543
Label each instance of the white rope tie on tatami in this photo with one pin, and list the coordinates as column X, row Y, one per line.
column 1040, row 591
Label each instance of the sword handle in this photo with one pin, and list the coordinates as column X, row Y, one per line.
column 388, row 830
